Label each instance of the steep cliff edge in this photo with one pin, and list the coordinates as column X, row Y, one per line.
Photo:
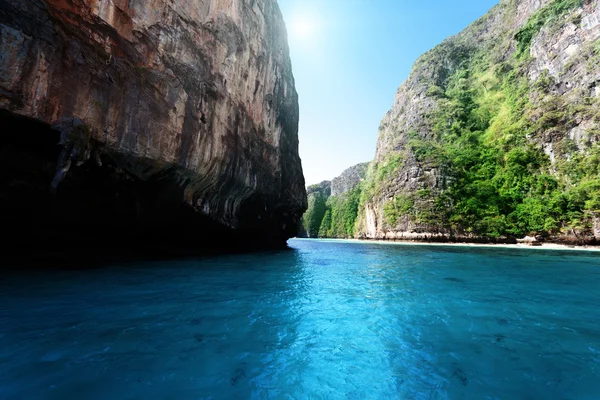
column 154, row 120
column 496, row 132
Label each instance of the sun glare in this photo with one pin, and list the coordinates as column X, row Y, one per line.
column 302, row 28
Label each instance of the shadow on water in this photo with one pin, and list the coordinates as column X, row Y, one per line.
column 100, row 212
column 219, row 326
column 90, row 258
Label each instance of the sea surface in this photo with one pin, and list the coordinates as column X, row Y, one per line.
column 322, row 320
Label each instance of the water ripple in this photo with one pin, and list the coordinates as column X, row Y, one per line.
column 326, row 320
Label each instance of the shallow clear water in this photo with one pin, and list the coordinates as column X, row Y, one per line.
column 324, row 320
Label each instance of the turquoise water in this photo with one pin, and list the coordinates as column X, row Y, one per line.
column 324, row 320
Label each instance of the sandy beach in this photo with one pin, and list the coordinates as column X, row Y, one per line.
column 543, row 246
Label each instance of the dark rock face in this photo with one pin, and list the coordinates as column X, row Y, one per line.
column 149, row 119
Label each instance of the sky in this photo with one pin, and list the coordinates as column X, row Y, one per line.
column 348, row 59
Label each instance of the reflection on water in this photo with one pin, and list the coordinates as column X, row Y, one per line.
column 324, row 320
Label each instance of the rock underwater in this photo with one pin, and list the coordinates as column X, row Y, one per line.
column 151, row 122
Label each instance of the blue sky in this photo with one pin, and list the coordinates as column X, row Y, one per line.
column 349, row 57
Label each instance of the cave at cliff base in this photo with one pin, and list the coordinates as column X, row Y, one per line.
column 99, row 209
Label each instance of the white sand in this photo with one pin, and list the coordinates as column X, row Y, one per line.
column 544, row 246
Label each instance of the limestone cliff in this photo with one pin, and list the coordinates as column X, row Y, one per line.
column 318, row 195
column 495, row 133
column 149, row 118
column 333, row 206
column 349, row 179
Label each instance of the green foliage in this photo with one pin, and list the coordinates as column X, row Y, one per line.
column 497, row 180
column 331, row 216
column 556, row 10
column 500, row 183
column 580, row 167
column 314, row 214
column 484, row 138
column 368, row 186
column 435, row 91
column 401, row 205
column 596, row 51
column 591, row 194
column 325, row 224
column 427, row 151
column 343, row 211
column 544, row 81
column 392, row 163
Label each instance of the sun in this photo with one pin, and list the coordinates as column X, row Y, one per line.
column 302, row 28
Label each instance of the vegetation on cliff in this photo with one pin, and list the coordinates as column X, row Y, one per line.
column 317, row 199
column 495, row 134
column 333, row 206
column 501, row 143
column 340, row 217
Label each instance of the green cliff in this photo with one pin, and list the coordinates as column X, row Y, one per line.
column 317, row 207
column 333, row 205
column 495, row 134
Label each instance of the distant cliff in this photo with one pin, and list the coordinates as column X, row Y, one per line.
column 157, row 121
column 333, row 206
column 317, row 206
column 495, row 134
column 349, row 179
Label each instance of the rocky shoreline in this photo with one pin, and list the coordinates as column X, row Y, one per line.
column 542, row 246
column 527, row 241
